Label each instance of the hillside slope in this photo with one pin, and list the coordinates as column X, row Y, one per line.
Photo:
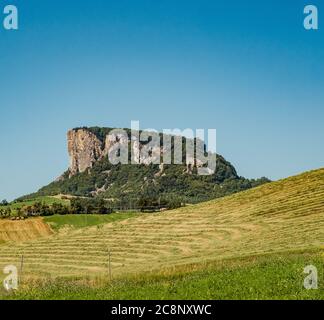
column 279, row 216
column 19, row 231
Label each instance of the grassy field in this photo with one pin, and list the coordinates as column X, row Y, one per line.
column 58, row 222
column 274, row 218
column 273, row 276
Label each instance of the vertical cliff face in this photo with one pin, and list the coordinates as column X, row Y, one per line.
column 84, row 150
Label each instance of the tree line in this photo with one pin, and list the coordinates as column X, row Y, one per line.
column 146, row 203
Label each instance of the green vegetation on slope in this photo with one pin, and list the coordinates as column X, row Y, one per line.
column 260, row 277
column 14, row 206
column 44, row 199
column 126, row 183
column 85, row 220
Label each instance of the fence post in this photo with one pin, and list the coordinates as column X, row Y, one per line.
column 109, row 264
column 21, row 266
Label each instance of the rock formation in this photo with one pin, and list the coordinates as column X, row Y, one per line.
column 84, row 150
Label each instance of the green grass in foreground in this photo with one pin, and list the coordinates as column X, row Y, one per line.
column 277, row 276
column 85, row 220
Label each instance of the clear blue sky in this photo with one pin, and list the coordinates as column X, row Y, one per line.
column 247, row 68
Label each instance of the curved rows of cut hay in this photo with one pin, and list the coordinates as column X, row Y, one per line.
column 280, row 216
column 23, row 230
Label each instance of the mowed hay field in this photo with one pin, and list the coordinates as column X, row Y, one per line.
column 23, row 230
column 276, row 217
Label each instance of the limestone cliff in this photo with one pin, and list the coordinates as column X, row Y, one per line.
column 84, row 150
